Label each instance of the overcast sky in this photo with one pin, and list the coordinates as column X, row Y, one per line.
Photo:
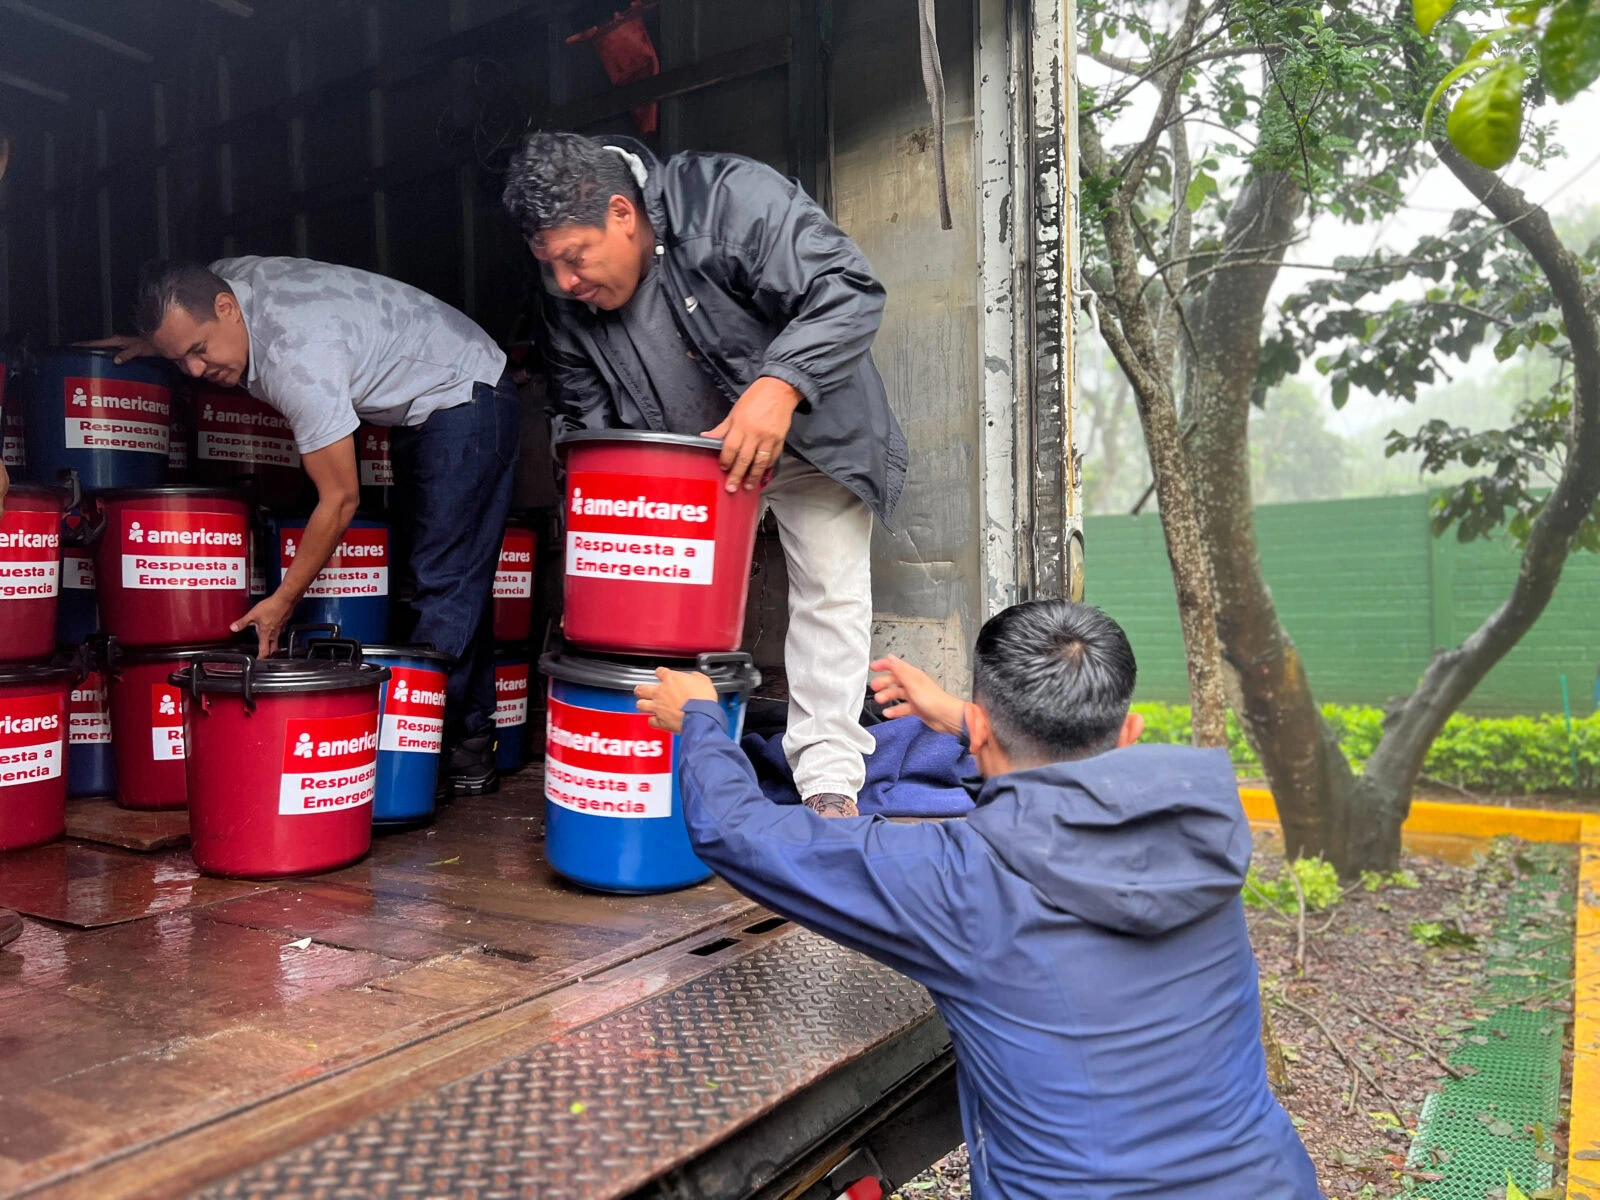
column 1568, row 183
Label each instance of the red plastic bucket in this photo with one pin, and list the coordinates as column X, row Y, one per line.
column 283, row 758
column 374, row 468
column 33, row 753
column 30, row 571
column 147, row 735
column 513, row 583
column 239, row 438
column 171, row 564
column 658, row 552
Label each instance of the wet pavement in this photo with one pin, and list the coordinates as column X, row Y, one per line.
column 143, row 999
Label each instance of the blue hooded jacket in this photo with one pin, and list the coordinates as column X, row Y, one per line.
column 1082, row 935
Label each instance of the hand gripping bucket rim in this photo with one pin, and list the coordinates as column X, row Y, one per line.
column 656, row 555
column 613, row 808
column 248, row 676
column 729, row 671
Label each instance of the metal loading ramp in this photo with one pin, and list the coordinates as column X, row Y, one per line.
column 828, row 1037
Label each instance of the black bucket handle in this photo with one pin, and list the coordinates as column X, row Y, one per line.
column 297, row 632
column 749, row 677
column 338, row 649
column 247, row 668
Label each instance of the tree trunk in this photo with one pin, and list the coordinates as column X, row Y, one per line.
column 1309, row 776
column 1132, row 336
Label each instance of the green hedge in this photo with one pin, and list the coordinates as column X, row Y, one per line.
column 1500, row 755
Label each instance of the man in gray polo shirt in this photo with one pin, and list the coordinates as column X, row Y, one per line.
column 331, row 346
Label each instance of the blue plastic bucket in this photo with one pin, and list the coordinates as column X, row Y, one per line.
column 12, row 387
column 510, row 711
column 110, row 424
column 352, row 591
column 91, row 765
column 77, row 613
column 410, row 731
column 613, row 817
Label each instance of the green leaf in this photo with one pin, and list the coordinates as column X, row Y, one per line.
column 1513, row 1192
column 1510, row 342
column 1466, row 67
column 1429, row 13
column 1201, row 186
column 1341, row 389
column 1569, row 51
column 1486, row 121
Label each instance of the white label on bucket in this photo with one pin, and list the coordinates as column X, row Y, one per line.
column 511, row 695
column 232, row 426
column 358, row 567
column 32, row 738
column 88, row 713
column 607, row 764
column 329, row 764
column 187, row 550
column 372, row 457
column 641, row 528
column 513, row 577
column 116, row 414
column 413, row 711
column 30, row 555
column 166, row 723
column 77, row 571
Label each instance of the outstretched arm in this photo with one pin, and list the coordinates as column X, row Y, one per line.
column 892, row 891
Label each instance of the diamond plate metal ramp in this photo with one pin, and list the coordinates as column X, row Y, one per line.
column 609, row 1106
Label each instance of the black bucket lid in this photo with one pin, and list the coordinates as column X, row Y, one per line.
column 422, row 650
column 234, row 673
column 646, row 436
column 38, row 673
column 143, row 656
column 172, row 492
column 729, row 673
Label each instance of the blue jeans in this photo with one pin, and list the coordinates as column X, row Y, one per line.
column 455, row 473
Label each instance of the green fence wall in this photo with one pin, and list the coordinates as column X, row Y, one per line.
column 1367, row 593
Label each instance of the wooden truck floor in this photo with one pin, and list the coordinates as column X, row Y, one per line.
column 446, row 1017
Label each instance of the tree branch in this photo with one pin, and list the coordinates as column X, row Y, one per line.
column 1451, row 676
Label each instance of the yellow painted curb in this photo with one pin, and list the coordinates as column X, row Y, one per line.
column 1468, row 820
column 1583, row 1174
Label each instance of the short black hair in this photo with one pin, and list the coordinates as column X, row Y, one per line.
column 1055, row 678
column 560, row 179
column 191, row 286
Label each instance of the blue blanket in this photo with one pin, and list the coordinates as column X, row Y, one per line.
column 913, row 771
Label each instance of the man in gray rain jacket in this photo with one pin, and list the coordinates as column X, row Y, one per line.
column 709, row 295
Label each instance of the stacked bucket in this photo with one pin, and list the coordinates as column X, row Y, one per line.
column 122, row 566
column 656, row 574
column 513, row 628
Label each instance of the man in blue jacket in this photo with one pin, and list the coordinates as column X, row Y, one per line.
column 1081, row 931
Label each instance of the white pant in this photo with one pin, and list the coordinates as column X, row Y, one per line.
column 826, row 531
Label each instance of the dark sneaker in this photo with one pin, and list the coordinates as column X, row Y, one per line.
column 832, row 804
column 469, row 766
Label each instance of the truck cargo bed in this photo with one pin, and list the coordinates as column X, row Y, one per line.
column 445, row 1017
